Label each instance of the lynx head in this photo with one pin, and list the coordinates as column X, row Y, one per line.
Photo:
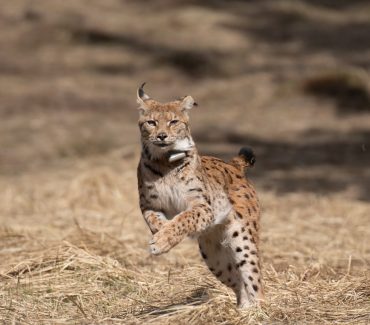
column 164, row 127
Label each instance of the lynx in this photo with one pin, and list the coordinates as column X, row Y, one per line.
column 184, row 194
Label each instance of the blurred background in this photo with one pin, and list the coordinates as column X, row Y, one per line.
column 289, row 78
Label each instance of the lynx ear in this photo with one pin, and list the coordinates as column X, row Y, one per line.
column 187, row 103
column 141, row 97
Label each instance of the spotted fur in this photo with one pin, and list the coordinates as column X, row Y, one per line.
column 197, row 196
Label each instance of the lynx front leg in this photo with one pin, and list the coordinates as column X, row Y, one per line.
column 155, row 220
column 184, row 224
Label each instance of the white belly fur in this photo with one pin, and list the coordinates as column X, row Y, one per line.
column 171, row 199
column 222, row 211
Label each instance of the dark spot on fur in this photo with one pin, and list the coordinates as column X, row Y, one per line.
column 255, row 288
column 235, row 234
column 255, row 225
column 189, row 180
column 238, row 249
column 197, row 189
column 207, row 199
column 179, row 169
column 241, row 263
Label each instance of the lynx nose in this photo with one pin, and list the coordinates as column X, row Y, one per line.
column 161, row 136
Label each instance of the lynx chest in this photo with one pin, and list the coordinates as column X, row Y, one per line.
column 168, row 196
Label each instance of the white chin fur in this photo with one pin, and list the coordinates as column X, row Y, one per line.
column 183, row 145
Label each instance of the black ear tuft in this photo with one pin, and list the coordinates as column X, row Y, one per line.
column 141, row 90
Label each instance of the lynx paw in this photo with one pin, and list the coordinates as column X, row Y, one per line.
column 159, row 244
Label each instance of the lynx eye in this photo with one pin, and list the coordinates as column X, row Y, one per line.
column 173, row 122
column 151, row 123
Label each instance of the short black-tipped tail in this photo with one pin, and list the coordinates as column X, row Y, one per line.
column 248, row 155
column 244, row 160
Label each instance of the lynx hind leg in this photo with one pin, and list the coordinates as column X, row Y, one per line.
column 231, row 255
column 242, row 241
column 219, row 258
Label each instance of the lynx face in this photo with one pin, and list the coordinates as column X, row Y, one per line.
column 164, row 127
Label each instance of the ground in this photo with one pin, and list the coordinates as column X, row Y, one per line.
column 289, row 78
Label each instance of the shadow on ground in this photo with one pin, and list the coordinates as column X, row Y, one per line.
column 197, row 297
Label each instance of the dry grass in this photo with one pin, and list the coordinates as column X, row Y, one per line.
column 75, row 251
column 73, row 246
